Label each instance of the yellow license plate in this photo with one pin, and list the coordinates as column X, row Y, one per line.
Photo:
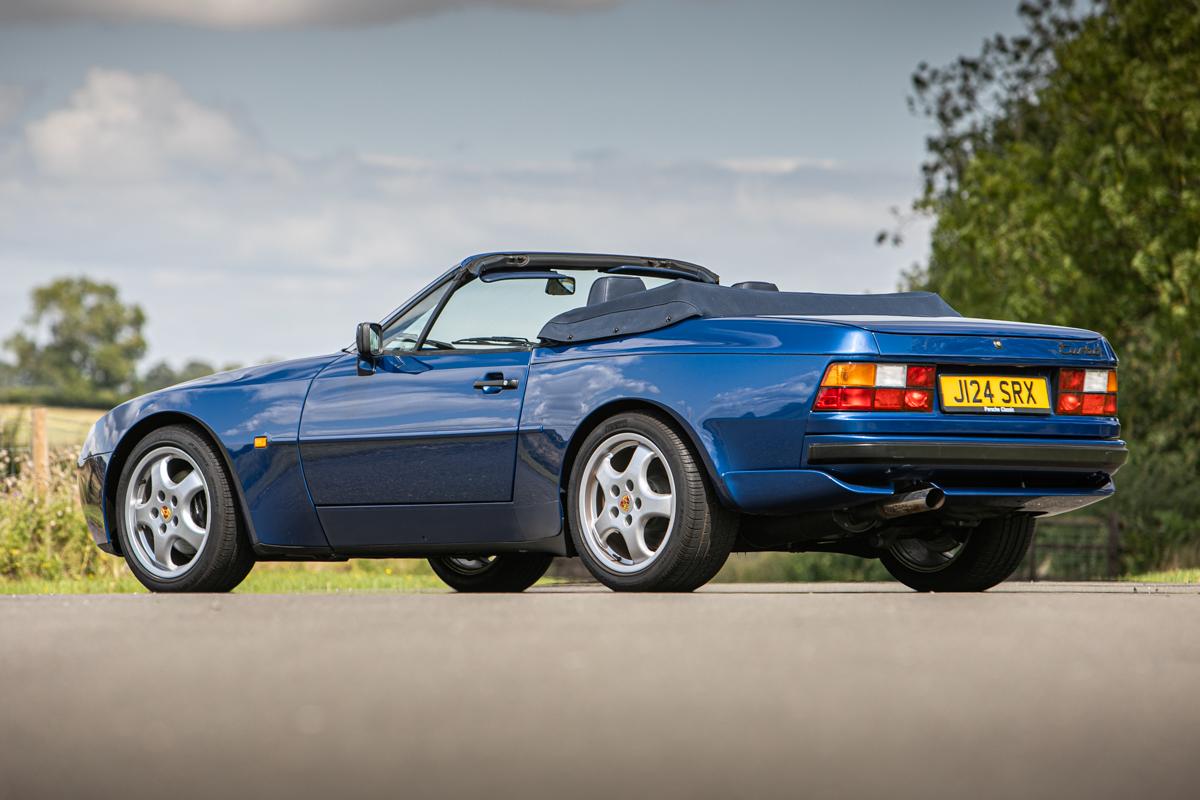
column 994, row 394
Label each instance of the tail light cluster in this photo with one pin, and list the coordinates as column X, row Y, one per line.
column 859, row 386
column 1087, row 391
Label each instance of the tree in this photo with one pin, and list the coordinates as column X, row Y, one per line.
column 92, row 340
column 1064, row 179
column 163, row 374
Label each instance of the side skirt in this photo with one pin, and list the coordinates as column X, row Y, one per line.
column 431, row 528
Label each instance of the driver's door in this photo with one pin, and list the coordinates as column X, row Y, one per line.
column 410, row 449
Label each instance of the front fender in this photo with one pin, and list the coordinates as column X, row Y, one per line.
column 233, row 409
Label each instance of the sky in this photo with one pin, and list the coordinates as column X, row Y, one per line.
column 261, row 176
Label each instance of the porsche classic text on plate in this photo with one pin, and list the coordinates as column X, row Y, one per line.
column 628, row 411
column 995, row 393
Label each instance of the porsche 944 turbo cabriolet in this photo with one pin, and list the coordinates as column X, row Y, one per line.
column 629, row 411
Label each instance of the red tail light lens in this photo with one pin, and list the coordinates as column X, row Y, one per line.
column 1091, row 392
column 889, row 399
column 918, row 400
column 829, row 399
column 1070, row 380
column 1070, row 403
column 920, row 376
column 857, row 397
column 1093, row 404
column 863, row 386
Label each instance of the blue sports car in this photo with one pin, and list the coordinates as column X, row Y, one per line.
column 629, row 411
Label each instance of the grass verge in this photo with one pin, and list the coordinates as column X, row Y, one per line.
column 1168, row 576
column 389, row 575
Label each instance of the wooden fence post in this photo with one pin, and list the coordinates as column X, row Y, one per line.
column 40, row 445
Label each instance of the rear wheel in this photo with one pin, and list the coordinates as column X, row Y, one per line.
column 509, row 572
column 177, row 518
column 642, row 514
column 953, row 562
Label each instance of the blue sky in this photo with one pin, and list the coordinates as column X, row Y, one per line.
column 262, row 176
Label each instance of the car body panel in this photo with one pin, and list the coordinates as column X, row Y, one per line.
column 234, row 408
column 403, row 455
column 406, row 431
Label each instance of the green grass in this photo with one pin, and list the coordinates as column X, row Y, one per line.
column 799, row 568
column 355, row 576
column 1168, row 576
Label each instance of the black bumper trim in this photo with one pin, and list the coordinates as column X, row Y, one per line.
column 1106, row 458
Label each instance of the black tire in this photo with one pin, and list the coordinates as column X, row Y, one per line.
column 702, row 532
column 508, row 572
column 990, row 554
column 227, row 555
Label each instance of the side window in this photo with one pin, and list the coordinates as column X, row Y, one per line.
column 403, row 332
column 502, row 313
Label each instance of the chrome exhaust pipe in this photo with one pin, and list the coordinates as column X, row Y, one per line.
column 901, row 505
column 930, row 499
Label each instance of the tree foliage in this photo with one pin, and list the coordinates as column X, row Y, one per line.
column 1064, row 179
column 80, row 337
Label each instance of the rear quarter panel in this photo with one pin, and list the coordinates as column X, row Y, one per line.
column 741, row 389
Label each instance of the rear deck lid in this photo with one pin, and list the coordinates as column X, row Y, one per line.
column 958, row 326
column 979, row 341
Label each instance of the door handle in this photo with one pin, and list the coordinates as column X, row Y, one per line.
column 496, row 382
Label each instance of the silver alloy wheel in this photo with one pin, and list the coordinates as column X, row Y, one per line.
column 928, row 555
column 167, row 512
column 626, row 503
column 470, row 566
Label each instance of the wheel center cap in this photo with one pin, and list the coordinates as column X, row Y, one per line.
column 625, row 503
column 166, row 513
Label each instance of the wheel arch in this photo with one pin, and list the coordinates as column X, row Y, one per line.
column 139, row 431
column 663, row 413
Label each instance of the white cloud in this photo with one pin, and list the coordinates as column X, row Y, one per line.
column 777, row 165
column 238, row 251
column 120, row 126
column 234, row 14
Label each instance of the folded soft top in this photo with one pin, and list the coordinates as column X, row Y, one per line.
column 682, row 299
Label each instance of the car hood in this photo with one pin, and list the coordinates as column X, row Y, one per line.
column 291, row 369
column 954, row 326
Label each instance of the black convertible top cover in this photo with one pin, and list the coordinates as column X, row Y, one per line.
column 682, row 299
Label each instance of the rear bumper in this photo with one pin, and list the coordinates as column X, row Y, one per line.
column 1106, row 457
column 979, row 475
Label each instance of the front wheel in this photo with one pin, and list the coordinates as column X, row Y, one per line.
column 643, row 516
column 177, row 521
column 946, row 562
column 509, row 572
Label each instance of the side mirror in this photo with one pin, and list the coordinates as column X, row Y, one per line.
column 369, row 340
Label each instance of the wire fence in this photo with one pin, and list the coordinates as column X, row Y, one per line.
column 1074, row 547
column 56, row 430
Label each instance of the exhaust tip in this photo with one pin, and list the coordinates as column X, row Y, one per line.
column 935, row 499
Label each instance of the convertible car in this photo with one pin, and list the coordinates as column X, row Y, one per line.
column 628, row 411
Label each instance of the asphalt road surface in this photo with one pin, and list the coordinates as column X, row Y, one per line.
column 1045, row 690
